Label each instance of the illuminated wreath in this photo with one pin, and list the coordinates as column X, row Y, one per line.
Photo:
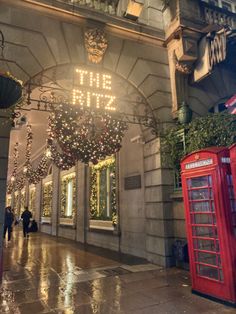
column 63, row 161
column 88, row 136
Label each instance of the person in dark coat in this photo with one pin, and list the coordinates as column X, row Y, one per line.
column 26, row 216
column 33, row 227
column 8, row 222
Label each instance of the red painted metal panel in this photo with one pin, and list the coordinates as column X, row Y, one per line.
column 208, row 199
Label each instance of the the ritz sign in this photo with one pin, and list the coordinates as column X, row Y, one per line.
column 93, row 90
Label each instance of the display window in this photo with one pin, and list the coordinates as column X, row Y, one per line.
column 47, row 199
column 103, row 191
column 68, row 196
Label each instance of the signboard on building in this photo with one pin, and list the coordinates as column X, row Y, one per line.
column 93, row 90
column 133, row 182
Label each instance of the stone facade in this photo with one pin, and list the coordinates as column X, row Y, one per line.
column 151, row 59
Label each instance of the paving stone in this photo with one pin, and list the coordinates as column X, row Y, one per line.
column 59, row 276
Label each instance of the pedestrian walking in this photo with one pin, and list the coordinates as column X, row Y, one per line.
column 8, row 222
column 26, row 216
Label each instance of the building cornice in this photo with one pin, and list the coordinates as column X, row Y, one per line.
column 87, row 17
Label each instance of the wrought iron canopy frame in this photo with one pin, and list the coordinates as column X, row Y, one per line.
column 52, row 96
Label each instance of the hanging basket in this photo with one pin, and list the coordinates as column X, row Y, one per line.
column 10, row 91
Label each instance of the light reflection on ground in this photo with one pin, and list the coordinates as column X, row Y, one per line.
column 50, row 275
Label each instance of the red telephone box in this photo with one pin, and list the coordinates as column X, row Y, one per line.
column 232, row 151
column 209, row 204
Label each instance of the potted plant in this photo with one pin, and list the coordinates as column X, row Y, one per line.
column 10, row 90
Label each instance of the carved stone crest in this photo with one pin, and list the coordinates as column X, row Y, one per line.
column 95, row 44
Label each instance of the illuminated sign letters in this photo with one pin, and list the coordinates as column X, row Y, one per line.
column 94, row 90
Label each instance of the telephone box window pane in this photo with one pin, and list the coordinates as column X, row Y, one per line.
column 229, row 179
column 232, row 202
column 200, row 206
column 209, row 272
column 221, row 275
column 201, row 194
column 199, row 182
column 204, row 219
column 206, row 258
column 212, row 207
column 207, row 245
column 217, row 246
column 233, row 205
column 234, row 230
column 208, row 232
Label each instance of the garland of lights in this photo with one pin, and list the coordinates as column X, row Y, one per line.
column 87, row 136
column 109, row 163
column 34, row 175
column 16, row 181
column 63, row 161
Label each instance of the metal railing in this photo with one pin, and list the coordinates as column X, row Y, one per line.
column 218, row 16
column 104, row 6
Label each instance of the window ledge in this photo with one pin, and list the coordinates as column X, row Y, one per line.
column 46, row 220
column 101, row 225
column 70, row 226
column 177, row 195
column 66, row 222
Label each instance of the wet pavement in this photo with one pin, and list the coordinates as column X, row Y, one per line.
column 52, row 275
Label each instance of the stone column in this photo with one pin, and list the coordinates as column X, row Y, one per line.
column 158, row 206
column 82, row 202
column 5, row 127
column 55, row 199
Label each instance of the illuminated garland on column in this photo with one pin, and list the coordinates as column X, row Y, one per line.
column 87, row 136
column 63, row 161
column 34, row 175
column 11, row 186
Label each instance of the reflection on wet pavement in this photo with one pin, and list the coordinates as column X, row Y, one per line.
column 51, row 275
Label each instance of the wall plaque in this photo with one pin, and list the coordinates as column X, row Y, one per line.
column 133, row 183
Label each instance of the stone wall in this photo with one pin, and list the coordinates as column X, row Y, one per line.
column 158, row 206
column 46, row 40
column 179, row 216
column 66, row 232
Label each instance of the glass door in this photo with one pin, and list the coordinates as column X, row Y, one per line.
column 206, row 247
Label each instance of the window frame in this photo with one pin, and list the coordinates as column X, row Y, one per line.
column 97, row 219
column 69, row 219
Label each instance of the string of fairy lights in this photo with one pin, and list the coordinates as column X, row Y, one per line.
column 73, row 135
column 86, row 136
column 34, row 175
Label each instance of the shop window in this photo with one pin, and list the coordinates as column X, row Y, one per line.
column 47, row 199
column 68, row 196
column 32, row 204
column 103, row 194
